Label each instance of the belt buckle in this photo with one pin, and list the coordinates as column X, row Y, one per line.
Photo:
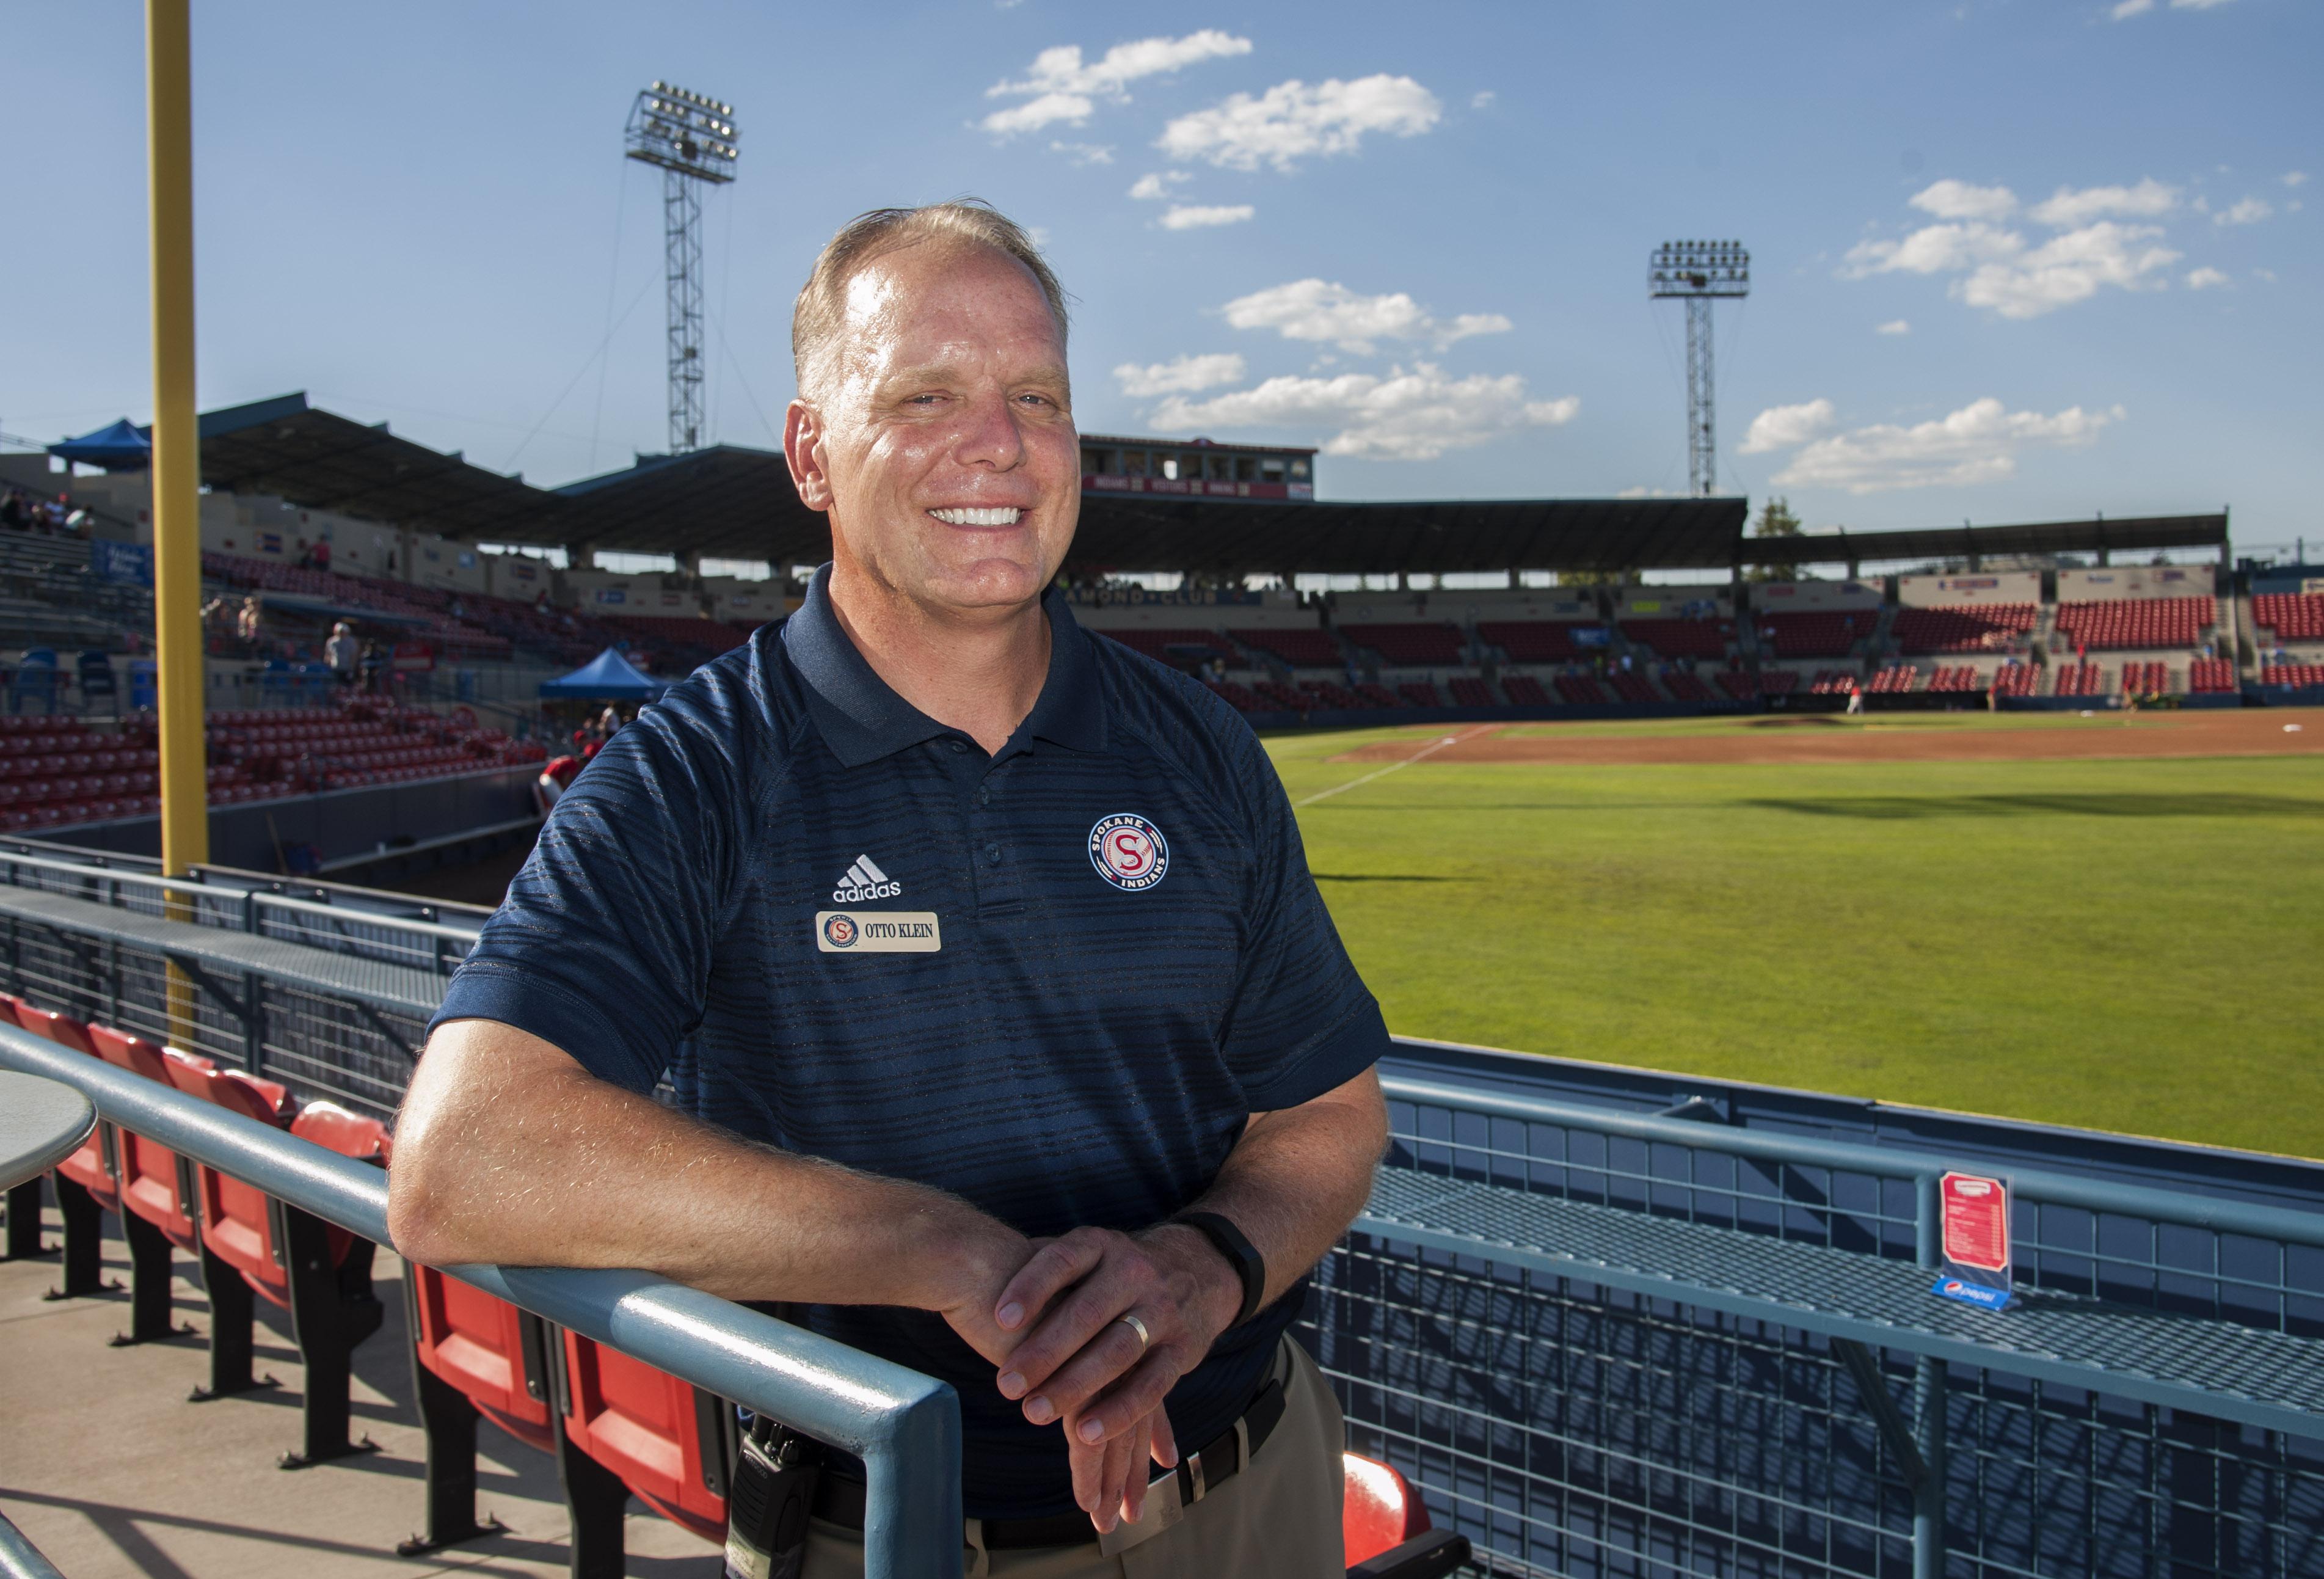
column 1163, row 1511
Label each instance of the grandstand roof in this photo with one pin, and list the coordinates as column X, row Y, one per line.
column 323, row 461
column 2127, row 535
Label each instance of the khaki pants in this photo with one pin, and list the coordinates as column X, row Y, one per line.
column 1278, row 1519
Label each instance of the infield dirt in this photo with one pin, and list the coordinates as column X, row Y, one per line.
column 1805, row 739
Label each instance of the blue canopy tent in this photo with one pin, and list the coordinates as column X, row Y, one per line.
column 121, row 448
column 606, row 677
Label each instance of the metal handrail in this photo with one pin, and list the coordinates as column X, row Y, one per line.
column 20, row 1558
column 905, row 1426
column 282, row 901
column 1924, row 1168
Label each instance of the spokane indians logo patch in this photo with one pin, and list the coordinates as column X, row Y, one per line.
column 1128, row 851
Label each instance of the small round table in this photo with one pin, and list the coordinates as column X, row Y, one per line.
column 42, row 1121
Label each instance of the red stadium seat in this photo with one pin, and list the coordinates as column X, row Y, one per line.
column 473, row 1356
column 1385, row 1529
column 157, row 1195
column 1534, row 641
column 1469, row 691
column 1522, row 690
column 622, row 1423
column 2291, row 617
column 1409, row 645
column 86, row 1183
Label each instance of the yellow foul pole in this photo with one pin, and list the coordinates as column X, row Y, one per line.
column 177, row 442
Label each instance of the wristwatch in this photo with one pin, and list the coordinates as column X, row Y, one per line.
column 1240, row 1253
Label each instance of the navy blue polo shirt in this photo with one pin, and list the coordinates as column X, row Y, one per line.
column 1055, row 981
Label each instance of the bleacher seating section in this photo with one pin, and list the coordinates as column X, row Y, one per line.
column 454, row 637
column 2077, row 680
column 1374, row 696
column 1532, row 640
column 1469, row 691
column 57, row 770
column 2293, row 674
column 1240, row 697
column 1831, row 682
column 1420, row 693
column 1325, row 692
column 1684, row 686
column 1778, row 682
column 2131, row 623
column 1895, row 677
column 1157, row 643
column 2293, row 616
column 1738, row 683
column 1299, row 646
column 1281, row 698
column 1972, row 628
column 1631, row 687
column 1579, row 690
column 1820, row 633
column 2212, row 677
column 2148, row 679
column 1954, row 677
column 2017, row 679
column 1410, row 646
column 1681, row 638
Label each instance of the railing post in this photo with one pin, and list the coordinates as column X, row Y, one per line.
column 1929, row 1387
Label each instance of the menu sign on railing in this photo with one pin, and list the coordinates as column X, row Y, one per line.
column 1974, row 1216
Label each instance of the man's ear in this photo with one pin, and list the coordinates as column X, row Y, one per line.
column 803, row 435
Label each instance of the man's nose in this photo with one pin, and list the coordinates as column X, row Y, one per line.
column 990, row 435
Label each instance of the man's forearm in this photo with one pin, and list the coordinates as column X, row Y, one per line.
column 1298, row 1177
column 509, row 1152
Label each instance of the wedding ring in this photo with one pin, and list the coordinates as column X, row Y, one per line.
column 1145, row 1338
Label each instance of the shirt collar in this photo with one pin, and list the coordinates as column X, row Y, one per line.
column 863, row 719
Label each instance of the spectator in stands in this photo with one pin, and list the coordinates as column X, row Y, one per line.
column 250, row 623
column 343, row 652
column 11, row 510
column 1004, row 1191
column 319, row 555
column 373, row 663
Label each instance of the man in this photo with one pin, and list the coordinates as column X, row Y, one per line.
column 343, row 652
column 975, row 949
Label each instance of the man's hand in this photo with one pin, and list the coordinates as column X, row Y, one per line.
column 1077, row 1362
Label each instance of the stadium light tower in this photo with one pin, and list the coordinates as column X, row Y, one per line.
column 1699, row 273
column 692, row 138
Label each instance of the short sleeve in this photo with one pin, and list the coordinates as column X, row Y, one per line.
column 603, row 945
column 1302, row 1021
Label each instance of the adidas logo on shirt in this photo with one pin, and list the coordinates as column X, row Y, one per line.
column 864, row 880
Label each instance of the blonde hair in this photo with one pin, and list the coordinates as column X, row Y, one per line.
column 964, row 221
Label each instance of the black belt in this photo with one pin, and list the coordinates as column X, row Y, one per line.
column 841, row 1501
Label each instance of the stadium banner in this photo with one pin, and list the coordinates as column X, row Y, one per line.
column 2136, row 581
column 413, row 658
column 1996, row 587
column 1786, row 597
column 131, row 564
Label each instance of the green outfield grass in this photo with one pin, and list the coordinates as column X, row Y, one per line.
column 2134, row 945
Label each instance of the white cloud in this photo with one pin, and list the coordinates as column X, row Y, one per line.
column 2266, row 275
column 1980, row 443
column 1415, row 414
column 1952, row 200
column 2249, row 211
column 1292, row 121
column 2067, row 207
column 1085, row 153
column 1180, row 375
column 1318, row 310
column 1200, row 215
column 2295, row 177
column 1787, row 427
column 2204, row 279
column 2130, row 8
column 2195, row 4
column 2070, row 268
column 1155, row 186
column 1998, row 268
column 1895, row 325
column 1063, row 87
column 1482, row 100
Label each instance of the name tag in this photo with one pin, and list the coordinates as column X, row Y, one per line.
column 877, row 932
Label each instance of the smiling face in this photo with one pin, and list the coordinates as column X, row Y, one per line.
column 938, row 432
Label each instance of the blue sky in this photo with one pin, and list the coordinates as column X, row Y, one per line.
column 2090, row 236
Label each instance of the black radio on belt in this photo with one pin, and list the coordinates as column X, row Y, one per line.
column 775, row 1476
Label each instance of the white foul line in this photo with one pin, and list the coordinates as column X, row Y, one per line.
column 1383, row 773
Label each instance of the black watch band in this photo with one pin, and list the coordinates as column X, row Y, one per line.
column 1240, row 1253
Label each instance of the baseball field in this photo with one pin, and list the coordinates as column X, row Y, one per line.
column 2106, row 921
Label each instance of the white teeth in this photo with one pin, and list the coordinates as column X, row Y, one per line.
column 1005, row 515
